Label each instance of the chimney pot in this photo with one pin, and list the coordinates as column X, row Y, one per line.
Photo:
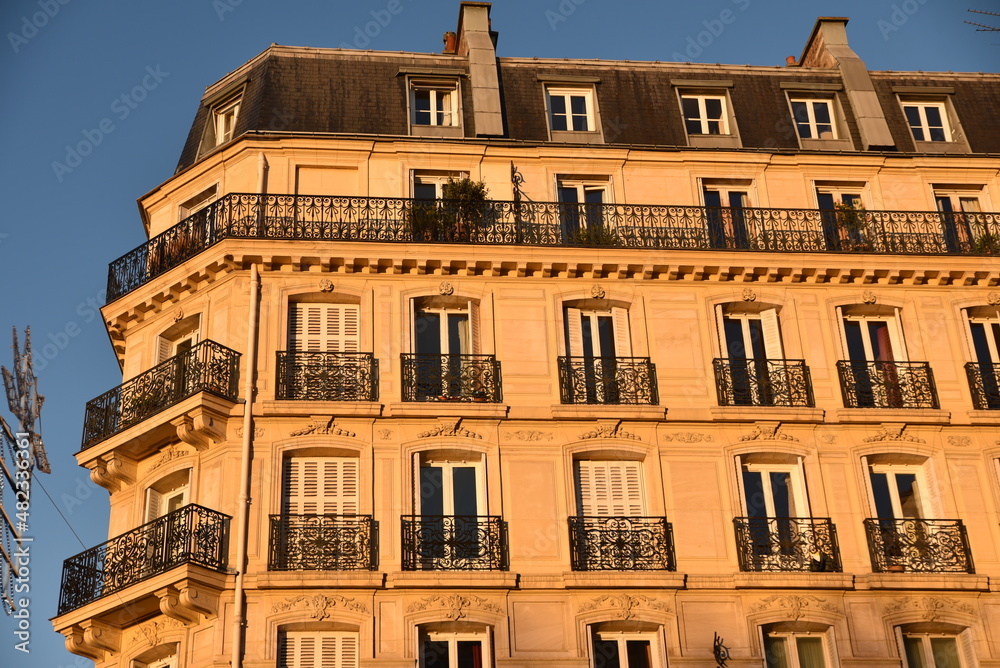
column 790, row 61
column 450, row 42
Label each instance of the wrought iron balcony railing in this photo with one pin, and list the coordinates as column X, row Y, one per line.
column 317, row 376
column 918, row 546
column 650, row 226
column 984, row 381
column 762, row 382
column 189, row 535
column 621, row 544
column 454, row 543
column 323, row 543
column 607, row 380
column 205, row 367
column 451, row 378
column 787, row 544
column 887, row 384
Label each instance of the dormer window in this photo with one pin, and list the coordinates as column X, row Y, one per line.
column 434, row 103
column 930, row 113
column 572, row 112
column 223, row 114
column 705, row 114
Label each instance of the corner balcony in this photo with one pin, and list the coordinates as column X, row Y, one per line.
column 786, row 544
column 621, row 544
column 205, row 367
column 607, row 380
column 323, row 376
column 918, row 546
column 451, row 378
column 192, row 535
column 315, row 218
column 454, row 543
column 763, row 382
column 887, row 384
column 304, row 542
column 984, row 382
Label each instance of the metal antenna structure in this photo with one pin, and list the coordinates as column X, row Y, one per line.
column 980, row 27
column 23, row 452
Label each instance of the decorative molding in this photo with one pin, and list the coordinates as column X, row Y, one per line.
column 688, row 437
column 323, row 426
column 892, row 432
column 112, row 472
column 625, row 604
column 960, row 441
column 456, row 604
column 869, row 297
column 169, row 453
column 449, row 428
column 325, row 285
column 929, row 607
column 150, row 631
column 186, row 604
column 91, row 638
column 446, row 288
column 199, row 428
column 794, row 604
column 319, row 605
column 612, row 429
column 385, row 434
column 767, row 431
column 258, row 432
column 829, row 439
column 749, row 295
column 597, row 292
column 993, row 298
column 178, row 315
column 530, row 435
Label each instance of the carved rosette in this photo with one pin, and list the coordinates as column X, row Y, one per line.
column 529, row 435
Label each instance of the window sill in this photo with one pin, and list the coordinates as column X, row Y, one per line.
column 906, row 415
column 826, row 144
column 755, row 413
column 793, row 580
column 714, row 141
column 464, row 579
column 991, row 417
column 436, row 130
column 448, row 409
column 592, row 137
column 617, row 579
column 617, row 411
column 955, row 581
column 322, row 579
column 940, row 146
column 310, row 408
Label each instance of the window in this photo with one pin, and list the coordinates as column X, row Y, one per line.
column 931, row 650
column 449, row 487
column 928, row 121
column 841, row 210
column 898, row 491
column 325, row 649
column 814, row 118
column 196, row 203
column 321, row 486
column 582, row 208
column 872, row 335
column 772, row 487
column 445, row 326
column 465, row 648
column 430, row 185
column 965, row 228
column 983, row 332
column 784, row 649
column 571, row 109
column 599, row 367
column 434, row 102
column 613, row 648
column 746, row 334
column 595, row 333
column 178, row 338
column 224, row 120
column 606, row 488
column 167, row 495
column 727, row 222
column 705, row 114
column 321, row 327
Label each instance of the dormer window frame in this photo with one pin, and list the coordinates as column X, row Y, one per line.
column 922, row 98
column 445, row 90
column 701, row 92
column 222, row 117
column 566, row 89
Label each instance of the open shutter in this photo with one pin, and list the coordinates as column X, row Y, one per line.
column 967, row 329
column 740, row 487
column 574, row 332
column 623, row 340
column 324, row 327
column 154, row 503
column 721, row 327
column 321, row 485
column 772, row 334
column 475, row 329
column 896, row 338
column 843, row 332
column 867, row 477
column 800, row 491
column 164, row 349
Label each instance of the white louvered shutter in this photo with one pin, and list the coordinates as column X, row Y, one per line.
column 574, row 332
column 772, row 334
column 896, row 338
column 318, row 650
column 609, row 488
column 164, row 349
column 321, row 486
column 721, row 327
column 153, row 504
column 324, row 327
column 475, row 343
column 623, row 340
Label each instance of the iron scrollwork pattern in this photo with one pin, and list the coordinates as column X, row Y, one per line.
column 521, row 222
column 607, row 380
column 621, row 544
column 984, row 382
column 323, row 543
column 205, row 367
column 887, row 384
column 751, row 382
column 190, row 535
column 918, row 546
column 323, row 376
column 454, row 543
column 787, row 544
column 451, row 378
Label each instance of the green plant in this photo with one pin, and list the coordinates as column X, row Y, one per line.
column 593, row 236
column 851, row 215
column 987, row 242
column 464, row 207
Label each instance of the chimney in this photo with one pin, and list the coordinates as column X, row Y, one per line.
column 790, row 61
column 450, row 42
column 476, row 42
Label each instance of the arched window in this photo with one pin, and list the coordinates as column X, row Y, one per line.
column 626, row 645
column 798, row 645
column 455, row 645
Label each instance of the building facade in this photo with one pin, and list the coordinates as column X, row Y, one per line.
column 718, row 354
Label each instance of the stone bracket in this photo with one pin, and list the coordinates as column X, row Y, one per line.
column 92, row 639
column 111, row 471
column 200, row 428
column 187, row 604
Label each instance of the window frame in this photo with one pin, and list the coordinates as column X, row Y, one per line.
column 434, row 178
column 574, row 317
column 171, row 489
column 301, row 335
column 452, row 87
column 702, row 98
column 810, row 121
column 481, row 634
column 921, row 105
column 448, row 462
column 927, row 651
column 894, row 329
column 632, row 488
column 798, row 488
column 791, row 645
column 221, row 111
column 444, row 307
column 770, row 324
column 320, row 661
column 621, row 637
column 594, row 134
column 346, row 503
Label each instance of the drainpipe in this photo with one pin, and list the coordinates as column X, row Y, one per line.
column 242, row 520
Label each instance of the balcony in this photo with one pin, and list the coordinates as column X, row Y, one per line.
column 205, row 367
column 451, row 378
column 607, row 380
column 887, row 384
column 984, row 382
column 787, row 544
column 644, row 226
column 323, row 543
column 454, row 543
column 763, row 382
column 319, row 376
column 621, row 544
column 189, row 535
column 918, row 546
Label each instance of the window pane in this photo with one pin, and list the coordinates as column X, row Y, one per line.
column 558, row 103
column 578, row 103
column 431, row 491
column 810, row 652
column 690, row 107
column 470, row 654
column 713, row 108
column 781, row 491
column 606, row 334
column 424, row 191
column 606, row 654
column 775, row 652
column 422, row 107
column 916, row 125
column 435, row 654
column 914, row 653
column 855, row 344
column 909, row 503
column 878, row 333
column 753, row 489
column 580, row 124
column 735, row 345
column 945, row 653
column 639, row 654
column 458, row 334
column 883, row 500
column 428, row 330
column 822, row 112
column 465, row 491
column 933, row 116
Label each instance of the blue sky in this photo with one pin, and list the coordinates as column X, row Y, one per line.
column 124, row 79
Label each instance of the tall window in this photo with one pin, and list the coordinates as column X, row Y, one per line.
column 445, row 326
column 898, row 491
column 321, row 327
column 814, row 118
column 872, row 337
column 773, row 488
column 724, row 204
column 608, row 488
column 751, row 345
column 789, row 649
column 928, row 121
column 964, row 225
column 450, row 498
column 460, row 646
column 932, row 650
column 321, row 486
column 167, row 495
column 983, row 331
column 614, row 648
column 598, row 333
column 705, row 114
column 570, row 109
column 434, row 102
column 840, row 208
column 581, row 207
column 318, row 649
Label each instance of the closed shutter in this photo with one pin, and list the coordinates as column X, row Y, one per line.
column 321, row 486
column 574, row 332
column 623, row 340
column 772, row 334
column 318, row 650
column 324, row 327
column 474, row 328
column 609, row 488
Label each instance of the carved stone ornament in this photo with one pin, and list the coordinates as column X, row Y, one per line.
column 455, row 604
column 529, row 435
column 597, row 292
column 993, row 299
column 749, row 295
column 929, row 607
column 319, row 606
column 868, row 297
column 112, row 471
column 688, row 437
column 446, row 288
column 170, row 453
column 257, row 432
column 325, row 285
column 449, row 428
column 610, row 431
column 178, row 315
column 794, row 604
column 767, row 431
column 960, row 441
column 829, row 439
column 892, row 433
column 323, row 427
column 385, row 434
column 200, row 428
column 625, row 604
column 149, row 632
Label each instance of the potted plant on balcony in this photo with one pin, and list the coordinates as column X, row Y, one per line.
column 852, row 220
column 987, row 243
column 464, row 208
